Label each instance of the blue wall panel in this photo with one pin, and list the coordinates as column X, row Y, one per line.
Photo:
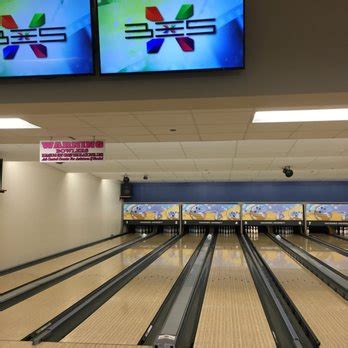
column 313, row 191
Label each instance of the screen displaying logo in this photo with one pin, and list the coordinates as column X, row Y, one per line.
column 167, row 35
column 181, row 29
column 41, row 38
column 34, row 35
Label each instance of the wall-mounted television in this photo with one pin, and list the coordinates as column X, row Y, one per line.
column 151, row 212
column 227, row 212
column 272, row 212
column 141, row 36
column 45, row 38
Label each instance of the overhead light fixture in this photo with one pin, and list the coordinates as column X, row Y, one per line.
column 320, row 115
column 15, row 123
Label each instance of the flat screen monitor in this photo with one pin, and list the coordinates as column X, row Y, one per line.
column 211, row 212
column 151, row 212
column 45, row 38
column 272, row 212
column 327, row 212
column 139, row 36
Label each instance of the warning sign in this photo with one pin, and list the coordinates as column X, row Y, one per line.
column 71, row 151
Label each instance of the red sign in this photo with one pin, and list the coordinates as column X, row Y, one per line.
column 71, row 151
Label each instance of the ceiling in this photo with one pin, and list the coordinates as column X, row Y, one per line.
column 254, row 160
column 167, row 126
column 198, row 142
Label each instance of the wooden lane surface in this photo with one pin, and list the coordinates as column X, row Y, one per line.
column 232, row 314
column 332, row 240
column 12, row 344
column 325, row 311
column 321, row 252
column 20, row 320
column 127, row 315
column 15, row 279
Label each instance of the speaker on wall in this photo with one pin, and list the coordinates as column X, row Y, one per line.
column 126, row 190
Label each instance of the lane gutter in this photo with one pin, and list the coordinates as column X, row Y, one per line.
column 327, row 274
column 25, row 291
column 58, row 327
column 288, row 327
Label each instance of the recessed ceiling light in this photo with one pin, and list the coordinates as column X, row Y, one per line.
column 15, row 123
column 320, row 115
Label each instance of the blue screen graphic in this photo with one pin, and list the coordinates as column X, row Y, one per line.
column 45, row 37
column 166, row 35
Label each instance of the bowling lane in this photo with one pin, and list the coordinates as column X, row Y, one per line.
column 127, row 315
column 332, row 240
column 325, row 311
column 23, row 276
column 232, row 314
column 321, row 252
column 20, row 320
column 7, row 344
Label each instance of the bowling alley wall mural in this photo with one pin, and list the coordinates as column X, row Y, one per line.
column 327, row 212
column 272, row 212
column 151, row 212
column 211, row 212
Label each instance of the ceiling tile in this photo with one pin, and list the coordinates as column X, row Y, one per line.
column 323, row 126
column 343, row 134
column 222, row 136
column 136, row 139
column 295, row 162
column 315, row 135
column 50, row 122
column 326, row 163
column 22, row 139
column 273, row 135
column 125, row 131
column 270, row 175
column 315, row 147
column 165, row 118
column 213, row 149
column 243, row 175
column 78, row 132
column 86, row 167
column 118, row 151
column 216, row 129
column 207, row 165
column 189, row 176
column 111, row 120
column 264, row 148
column 186, row 165
column 157, row 150
column 179, row 130
column 216, row 176
column 273, row 127
column 139, row 165
column 251, row 163
column 222, row 117
column 178, row 137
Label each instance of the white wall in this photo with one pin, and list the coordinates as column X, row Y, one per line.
column 46, row 211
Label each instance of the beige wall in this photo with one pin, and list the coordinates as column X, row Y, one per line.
column 292, row 47
column 46, row 211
